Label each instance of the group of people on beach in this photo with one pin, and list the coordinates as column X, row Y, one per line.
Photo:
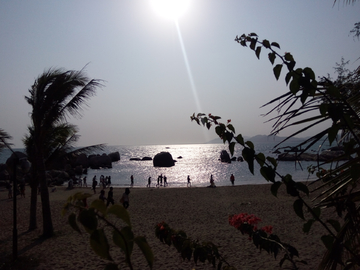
column 104, row 182
column 212, row 182
column 159, row 181
column 110, row 198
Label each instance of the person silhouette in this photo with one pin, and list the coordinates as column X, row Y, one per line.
column 232, row 179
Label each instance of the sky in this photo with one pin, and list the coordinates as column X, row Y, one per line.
column 157, row 71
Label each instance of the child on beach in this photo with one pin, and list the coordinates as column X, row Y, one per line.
column 149, row 182
column 132, row 181
column 188, row 181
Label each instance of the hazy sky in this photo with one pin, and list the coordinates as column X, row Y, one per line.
column 156, row 74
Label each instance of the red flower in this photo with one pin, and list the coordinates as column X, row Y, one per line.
column 229, row 120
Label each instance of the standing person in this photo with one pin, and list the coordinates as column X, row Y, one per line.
column 110, row 198
column 188, row 181
column 232, row 179
column 132, row 181
column 161, row 178
column 158, row 180
column 125, row 198
column 94, row 184
column 109, row 181
column 165, row 181
column 149, row 182
column 212, row 183
column 85, row 184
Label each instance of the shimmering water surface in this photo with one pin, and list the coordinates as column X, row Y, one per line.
column 198, row 160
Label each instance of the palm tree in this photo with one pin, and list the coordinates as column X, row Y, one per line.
column 3, row 139
column 55, row 95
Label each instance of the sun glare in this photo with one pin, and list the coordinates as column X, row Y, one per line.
column 170, row 9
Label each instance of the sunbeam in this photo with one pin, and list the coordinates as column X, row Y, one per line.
column 191, row 79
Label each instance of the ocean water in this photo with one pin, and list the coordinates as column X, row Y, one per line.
column 197, row 160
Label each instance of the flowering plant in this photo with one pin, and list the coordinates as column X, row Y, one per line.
column 188, row 248
column 263, row 238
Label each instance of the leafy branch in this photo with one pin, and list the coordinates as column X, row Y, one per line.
column 324, row 100
column 188, row 248
column 89, row 218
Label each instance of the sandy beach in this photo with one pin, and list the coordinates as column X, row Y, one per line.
column 201, row 212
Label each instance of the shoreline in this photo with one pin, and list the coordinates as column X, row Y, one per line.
column 201, row 212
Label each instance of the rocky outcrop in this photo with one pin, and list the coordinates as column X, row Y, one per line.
column 146, row 158
column 99, row 161
column 224, row 156
column 115, row 156
column 163, row 159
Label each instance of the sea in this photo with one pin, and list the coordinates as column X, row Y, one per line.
column 199, row 161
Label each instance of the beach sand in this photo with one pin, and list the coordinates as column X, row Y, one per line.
column 201, row 212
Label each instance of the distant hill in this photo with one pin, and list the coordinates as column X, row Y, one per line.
column 262, row 138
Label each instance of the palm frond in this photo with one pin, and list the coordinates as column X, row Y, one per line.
column 4, row 137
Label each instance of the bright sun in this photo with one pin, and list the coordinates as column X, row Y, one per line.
column 170, row 9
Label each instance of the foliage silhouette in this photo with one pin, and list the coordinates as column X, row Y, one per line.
column 308, row 103
column 95, row 218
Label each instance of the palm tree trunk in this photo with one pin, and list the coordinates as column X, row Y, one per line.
column 48, row 228
column 33, row 202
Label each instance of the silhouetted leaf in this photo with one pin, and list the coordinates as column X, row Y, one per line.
column 72, row 222
column 253, row 43
column 231, row 127
column 99, row 205
column 298, row 208
column 277, row 71
column 328, row 241
column 258, row 51
column 272, row 161
column 332, row 133
column 268, row 173
column 275, row 44
column 250, row 144
column 120, row 212
column 316, row 212
column 272, row 57
column 275, row 187
column 294, row 85
column 145, row 249
column 307, row 225
column 111, row 266
column 88, row 219
column 231, row 148
column 99, row 244
column 248, row 155
column 260, row 158
column 288, row 57
column 288, row 77
column 124, row 239
column 266, row 43
column 239, row 138
column 300, row 186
